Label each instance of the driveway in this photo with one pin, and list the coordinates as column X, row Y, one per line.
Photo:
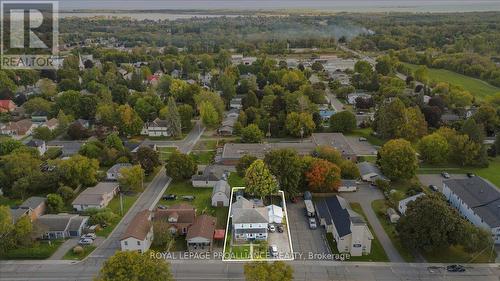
column 437, row 179
column 305, row 240
column 365, row 195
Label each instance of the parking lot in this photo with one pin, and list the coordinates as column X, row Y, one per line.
column 361, row 147
column 437, row 179
column 305, row 240
column 281, row 242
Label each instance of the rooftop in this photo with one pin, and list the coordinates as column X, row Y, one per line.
column 203, row 226
column 245, row 211
column 139, row 227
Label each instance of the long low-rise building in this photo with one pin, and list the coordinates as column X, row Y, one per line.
column 477, row 200
column 232, row 152
column 96, row 197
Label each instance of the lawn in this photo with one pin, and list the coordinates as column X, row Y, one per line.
column 367, row 133
column 70, row 255
column 380, row 208
column 114, row 205
column 240, row 252
column 203, row 157
column 165, row 152
column 202, row 201
column 477, row 87
column 9, row 202
column 456, row 254
column 39, row 250
column 490, row 173
column 235, row 180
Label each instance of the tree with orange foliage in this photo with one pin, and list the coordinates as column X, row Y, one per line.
column 323, row 176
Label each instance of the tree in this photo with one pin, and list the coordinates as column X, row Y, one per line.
column 473, row 130
column 77, row 170
column 162, row 236
column 398, row 159
column 263, row 271
column 328, row 153
column 114, row 141
column 259, row 180
column 323, row 176
column 173, row 118
column 148, row 158
column 244, row 162
column 47, row 87
column 8, row 145
column 349, row 170
column 429, row 224
column 129, row 122
column 22, row 231
column 37, row 104
column 434, row 148
column 497, row 144
column 43, row 133
column 180, row 166
column 422, row 74
column 414, row 125
column 186, row 113
column 286, row 166
column 251, row 134
column 343, row 122
column 209, row 115
column 300, row 124
column 131, row 178
column 6, row 225
column 55, row 203
column 77, row 132
column 132, row 265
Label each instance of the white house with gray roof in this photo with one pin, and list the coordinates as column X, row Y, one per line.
column 221, row 194
column 477, row 200
column 249, row 220
column 96, row 197
column 61, row 226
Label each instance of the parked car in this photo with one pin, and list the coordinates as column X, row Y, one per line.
column 445, row 175
column 362, row 139
column 188, row 197
column 281, row 228
column 455, row 268
column 169, row 197
column 434, row 188
column 271, row 228
column 85, row 241
column 89, row 236
column 162, row 207
column 312, row 223
column 471, row 175
column 273, row 249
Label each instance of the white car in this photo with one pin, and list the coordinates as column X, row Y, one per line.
column 272, row 228
column 85, row 241
column 273, row 249
column 88, row 236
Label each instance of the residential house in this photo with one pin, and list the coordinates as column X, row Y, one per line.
column 249, row 220
column 19, row 129
column 180, row 217
column 370, row 172
column 236, row 103
column 39, row 145
column 39, row 117
column 275, row 214
column 114, row 172
column 227, row 125
column 139, row 233
column 200, row 235
column 98, row 196
column 221, row 194
column 51, row 124
column 7, row 106
column 61, row 226
column 208, row 176
column 348, row 186
column 351, row 98
column 156, row 128
column 477, row 200
column 403, row 204
column 34, row 207
column 349, row 229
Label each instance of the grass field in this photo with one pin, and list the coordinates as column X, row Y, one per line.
column 380, row 208
column 70, row 255
column 456, row 254
column 165, row 152
column 491, row 173
column 38, row 251
column 477, row 87
column 367, row 133
column 235, row 180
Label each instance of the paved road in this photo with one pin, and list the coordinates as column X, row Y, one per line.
column 185, row 145
column 365, row 195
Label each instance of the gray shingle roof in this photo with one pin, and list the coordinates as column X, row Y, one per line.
column 33, row 202
column 244, row 211
column 222, row 186
column 335, row 210
column 479, row 195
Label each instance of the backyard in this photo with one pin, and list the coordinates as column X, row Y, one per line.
column 114, row 205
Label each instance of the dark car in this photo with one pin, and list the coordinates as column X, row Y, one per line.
column 281, row 228
column 307, row 195
column 471, row 175
column 170, row 197
column 434, row 188
column 455, row 268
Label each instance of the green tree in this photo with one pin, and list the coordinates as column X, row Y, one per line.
column 37, row 104
column 180, row 166
column 251, row 134
column 173, row 118
column 148, row 158
column 77, row 170
column 186, row 113
column 129, row 122
column 328, row 153
column 434, row 148
column 286, row 166
column 263, row 271
column 209, row 115
column 349, row 170
column 7, row 145
column 259, row 180
column 243, row 164
column 55, row 203
column 131, row 178
column 343, row 122
column 398, row 159
column 131, row 265
column 43, row 133
column 162, row 236
column 114, row 141
column 300, row 124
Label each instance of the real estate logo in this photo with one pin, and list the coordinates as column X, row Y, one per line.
column 29, row 31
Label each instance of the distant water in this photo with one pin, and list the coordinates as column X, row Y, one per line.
column 319, row 5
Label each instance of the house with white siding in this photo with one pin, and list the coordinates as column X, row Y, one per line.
column 139, row 233
column 477, row 200
column 249, row 220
